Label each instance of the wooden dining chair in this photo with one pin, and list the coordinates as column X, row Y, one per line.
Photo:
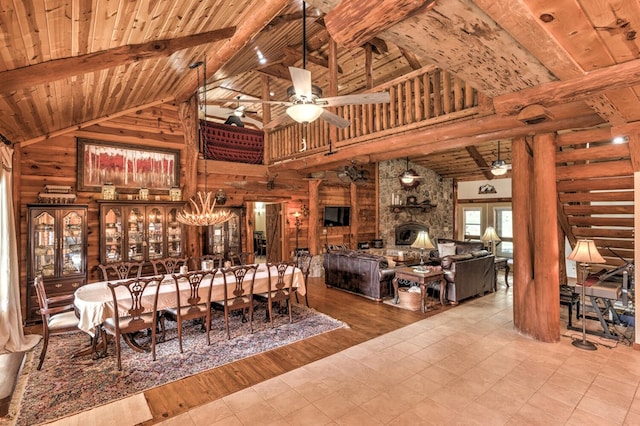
column 238, row 293
column 120, row 270
column 169, row 265
column 281, row 290
column 195, row 306
column 56, row 320
column 141, row 314
column 304, row 264
column 239, row 258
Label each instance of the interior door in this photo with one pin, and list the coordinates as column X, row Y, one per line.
column 274, row 232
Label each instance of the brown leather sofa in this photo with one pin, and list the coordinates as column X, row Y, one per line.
column 360, row 273
column 469, row 272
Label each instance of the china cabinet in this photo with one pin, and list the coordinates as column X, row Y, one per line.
column 135, row 231
column 57, row 247
column 225, row 238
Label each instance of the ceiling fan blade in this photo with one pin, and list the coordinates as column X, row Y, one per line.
column 247, row 101
column 301, row 80
column 357, row 99
column 334, row 119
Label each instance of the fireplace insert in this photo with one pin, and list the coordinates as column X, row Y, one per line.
column 406, row 233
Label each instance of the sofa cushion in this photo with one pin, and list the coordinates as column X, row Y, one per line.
column 468, row 247
column 480, row 253
column 462, row 256
column 446, row 249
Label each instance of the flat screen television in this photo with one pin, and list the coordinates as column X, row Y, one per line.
column 336, row 216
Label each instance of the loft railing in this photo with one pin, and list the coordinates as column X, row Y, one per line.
column 419, row 99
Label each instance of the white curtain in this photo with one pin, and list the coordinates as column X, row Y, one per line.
column 12, row 338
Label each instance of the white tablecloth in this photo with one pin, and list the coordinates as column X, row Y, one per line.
column 94, row 302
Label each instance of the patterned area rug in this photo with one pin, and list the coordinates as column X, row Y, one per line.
column 66, row 386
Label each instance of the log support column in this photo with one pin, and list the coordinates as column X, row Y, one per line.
column 536, row 293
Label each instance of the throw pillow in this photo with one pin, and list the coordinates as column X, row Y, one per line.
column 446, row 249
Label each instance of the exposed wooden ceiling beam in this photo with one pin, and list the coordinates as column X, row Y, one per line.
column 292, row 52
column 479, row 160
column 411, row 58
column 577, row 89
column 354, row 22
column 60, row 69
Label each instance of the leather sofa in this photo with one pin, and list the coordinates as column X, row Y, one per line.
column 469, row 272
column 360, row 273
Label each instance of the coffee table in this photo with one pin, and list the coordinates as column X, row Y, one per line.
column 423, row 279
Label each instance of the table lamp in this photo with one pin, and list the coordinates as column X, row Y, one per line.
column 490, row 236
column 422, row 242
column 585, row 252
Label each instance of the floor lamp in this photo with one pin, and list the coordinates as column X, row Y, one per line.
column 585, row 252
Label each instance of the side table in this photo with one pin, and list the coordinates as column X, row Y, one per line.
column 501, row 263
column 423, row 279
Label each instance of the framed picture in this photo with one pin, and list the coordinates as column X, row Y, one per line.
column 128, row 167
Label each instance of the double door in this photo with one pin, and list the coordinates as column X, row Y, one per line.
column 57, row 248
column 135, row 232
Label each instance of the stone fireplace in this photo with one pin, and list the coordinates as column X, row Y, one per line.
column 406, row 233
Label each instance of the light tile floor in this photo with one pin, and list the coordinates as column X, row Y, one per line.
column 464, row 366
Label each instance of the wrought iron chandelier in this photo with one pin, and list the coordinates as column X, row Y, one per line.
column 201, row 210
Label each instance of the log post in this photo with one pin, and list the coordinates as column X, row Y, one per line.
column 536, row 282
column 188, row 114
column 314, row 242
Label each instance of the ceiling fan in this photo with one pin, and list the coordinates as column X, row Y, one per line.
column 499, row 167
column 306, row 103
column 237, row 115
column 351, row 173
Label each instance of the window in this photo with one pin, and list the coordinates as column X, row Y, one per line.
column 504, row 228
column 472, row 222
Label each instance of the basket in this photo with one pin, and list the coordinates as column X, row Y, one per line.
column 409, row 300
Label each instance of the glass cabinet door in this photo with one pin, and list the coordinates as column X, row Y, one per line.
column 135, row 235
column 44, row 240
column 155, row 233
column 174, row 234
column 72, row 243
column 113, row 235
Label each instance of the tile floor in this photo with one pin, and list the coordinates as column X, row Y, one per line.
column 465, row 366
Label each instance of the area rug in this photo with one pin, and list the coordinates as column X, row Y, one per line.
column 66, row 385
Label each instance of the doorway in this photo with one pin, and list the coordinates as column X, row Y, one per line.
column 267, row 232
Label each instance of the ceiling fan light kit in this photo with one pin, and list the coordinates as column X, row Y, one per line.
column 499, row 168
column 304, row 113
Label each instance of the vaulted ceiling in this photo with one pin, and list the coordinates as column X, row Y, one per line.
column 71, row 64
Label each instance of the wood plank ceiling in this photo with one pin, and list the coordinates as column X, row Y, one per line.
column 65, row 65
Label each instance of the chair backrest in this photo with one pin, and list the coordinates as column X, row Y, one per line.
column 134, row 302
column 169, row 265
column 120, row 270
column 43, row 302
column 304, row 263
column 240, row 258
column 194, row 278
column 284, row 281
column 237, row 275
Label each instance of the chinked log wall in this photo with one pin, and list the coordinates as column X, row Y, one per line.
column 419, row 99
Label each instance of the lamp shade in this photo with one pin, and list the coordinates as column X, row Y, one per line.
column 586, row 251
column 490, row 234
column 304, row 113
column 423, row 241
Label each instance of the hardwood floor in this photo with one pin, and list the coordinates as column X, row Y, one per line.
column 366, row 319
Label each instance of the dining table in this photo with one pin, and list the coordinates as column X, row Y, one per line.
column 94, row 301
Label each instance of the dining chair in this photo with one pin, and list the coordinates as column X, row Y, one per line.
column 304, row 264
column 281, row 290
column 239, row 258
column 120, row 270
column 238, row 293
column 169, row 265
column 195, row 306
column 140, row 316
column 56, row 320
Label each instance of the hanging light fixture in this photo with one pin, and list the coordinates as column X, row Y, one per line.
column 200, row 209
column 499, row 167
